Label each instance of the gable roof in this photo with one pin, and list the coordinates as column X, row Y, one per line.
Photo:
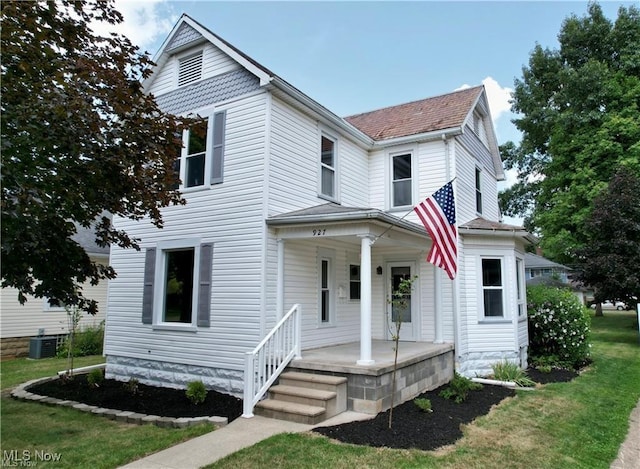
column 533, row 261
column 447, row 111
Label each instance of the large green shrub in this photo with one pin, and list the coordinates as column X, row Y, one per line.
column 87, row 342
column 559, row 327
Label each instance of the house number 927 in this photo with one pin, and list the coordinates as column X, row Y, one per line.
column 319, row 232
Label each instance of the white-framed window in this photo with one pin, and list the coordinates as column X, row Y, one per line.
column 326, row 287
column 492, row 288
column 520, row 287
column 401, row 180
column 177, row 284
column 478, row 190
column 328, row 167
column 354, row 282
column 49, row 305
column 201, row 160
column 190, row 68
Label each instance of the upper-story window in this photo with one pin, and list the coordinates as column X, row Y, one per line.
column 478, row 190
column 201, row 161
column 328, row 167
column 401, row 180
column 190, row 68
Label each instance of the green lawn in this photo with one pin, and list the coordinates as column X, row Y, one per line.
column 80, row 439
column 580, row 424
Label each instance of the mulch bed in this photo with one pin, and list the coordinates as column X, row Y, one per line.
column 411, row 427
column 151, row 400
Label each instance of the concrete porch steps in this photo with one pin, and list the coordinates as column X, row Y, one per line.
column 305, row 398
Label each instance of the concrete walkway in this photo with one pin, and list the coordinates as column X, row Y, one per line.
column 629, row 453
column 242, row 433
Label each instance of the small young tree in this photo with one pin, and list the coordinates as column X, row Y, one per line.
column 73, row 319
column 399, row 301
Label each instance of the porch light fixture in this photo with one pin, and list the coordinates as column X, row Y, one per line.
column 379, row 270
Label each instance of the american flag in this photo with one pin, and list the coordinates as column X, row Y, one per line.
column 438, row 215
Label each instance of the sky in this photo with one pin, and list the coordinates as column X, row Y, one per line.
column 354, row 57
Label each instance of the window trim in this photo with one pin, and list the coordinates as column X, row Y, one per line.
column 214, row 152
column 390, row 193
column 521, row 296
column 335, row 168
column 164, row 247
column 328, row 255
column 503, row 288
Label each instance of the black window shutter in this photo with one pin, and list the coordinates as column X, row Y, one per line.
column 204, row 290
column 147, row 292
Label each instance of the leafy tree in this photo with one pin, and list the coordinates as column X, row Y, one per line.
column 610, row 260
column 79, row 138
column 580, row 119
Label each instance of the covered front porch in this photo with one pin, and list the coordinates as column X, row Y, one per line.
column 422, row 366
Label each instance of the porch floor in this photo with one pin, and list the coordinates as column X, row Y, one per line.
column 343, row 358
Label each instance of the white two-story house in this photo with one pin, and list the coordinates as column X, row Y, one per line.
column 297, row 215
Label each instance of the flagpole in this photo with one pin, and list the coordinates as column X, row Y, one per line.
column 401, row 218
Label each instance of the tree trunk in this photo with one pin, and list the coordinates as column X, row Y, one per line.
column 599, row 310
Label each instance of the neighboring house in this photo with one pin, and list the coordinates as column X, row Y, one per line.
column 37, row 318
column 539, row 266
column 541, row 271
column 289, row 204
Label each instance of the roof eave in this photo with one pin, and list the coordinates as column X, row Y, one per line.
column 517, row 233
column 368, row 215
column 422, row 137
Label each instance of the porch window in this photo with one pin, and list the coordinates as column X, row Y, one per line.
column 354, row 282
column 201, row 161
column 492, row 287
column 325, row 291
column 327, row 167
column 401, row 180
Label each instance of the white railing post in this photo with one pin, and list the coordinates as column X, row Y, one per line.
column 249, row 382
column 272, row 356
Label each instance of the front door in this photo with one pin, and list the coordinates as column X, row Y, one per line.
column 407, row 314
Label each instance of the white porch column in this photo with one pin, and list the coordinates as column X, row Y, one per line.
column 365, row 301
column 280, row 281
column 438, row 303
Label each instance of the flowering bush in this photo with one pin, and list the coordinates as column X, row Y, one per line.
column 559, row 327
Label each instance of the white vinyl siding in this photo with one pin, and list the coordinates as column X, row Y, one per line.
column 230, row 216
column 295, row 141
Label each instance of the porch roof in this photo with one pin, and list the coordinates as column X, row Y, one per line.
column 482, row 226
column 332, row 212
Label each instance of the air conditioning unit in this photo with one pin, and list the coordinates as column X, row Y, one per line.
column 42, row 347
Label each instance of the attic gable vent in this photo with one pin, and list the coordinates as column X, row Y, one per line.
column 190, row 69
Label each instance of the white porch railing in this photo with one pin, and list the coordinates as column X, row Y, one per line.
column 263, row 365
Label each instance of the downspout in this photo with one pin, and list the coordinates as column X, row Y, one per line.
column 454, row 302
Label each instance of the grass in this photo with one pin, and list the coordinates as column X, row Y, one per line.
column 579, row 424
column 81, row 439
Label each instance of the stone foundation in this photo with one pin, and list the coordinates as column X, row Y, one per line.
column 13, row 347
column 174, row 375
column 479, row 364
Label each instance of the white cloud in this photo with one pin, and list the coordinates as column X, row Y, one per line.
column 498, row 97
column 145, row 22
